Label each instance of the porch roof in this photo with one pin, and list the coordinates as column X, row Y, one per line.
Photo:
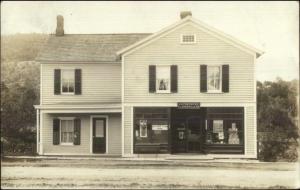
column 81, row 107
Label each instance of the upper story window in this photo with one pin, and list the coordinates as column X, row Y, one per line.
column 68, row 81
column 188, row 39
column 214, row 78
column 163, row 79
column 67, row 131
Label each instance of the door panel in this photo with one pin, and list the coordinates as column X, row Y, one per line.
column 194, row 134
column 179, row 136
column 188, row 130
column 99, row 135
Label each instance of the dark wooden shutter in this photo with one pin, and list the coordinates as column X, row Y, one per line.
column 77, row 81
column 152, row 78
column 77, row 126
column 56, row 123
column 57, row 81
column 225, row 78
column 174, row 78
column 203, row 78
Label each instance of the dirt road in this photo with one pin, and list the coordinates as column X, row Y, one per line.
column 116, row 174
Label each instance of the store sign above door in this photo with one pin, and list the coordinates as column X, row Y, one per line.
column 188, row 105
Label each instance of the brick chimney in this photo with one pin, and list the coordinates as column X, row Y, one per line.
column 184, row 14
column 60, row 25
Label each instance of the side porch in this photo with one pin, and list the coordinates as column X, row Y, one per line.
column 93, row 130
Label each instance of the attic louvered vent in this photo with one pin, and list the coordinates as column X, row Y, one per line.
column 188, row 39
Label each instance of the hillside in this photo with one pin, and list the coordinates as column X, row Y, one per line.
column 21, row 47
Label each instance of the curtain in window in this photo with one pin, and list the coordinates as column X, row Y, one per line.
column 67, row 131
column 214, row 78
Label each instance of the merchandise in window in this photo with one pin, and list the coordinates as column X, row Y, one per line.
column 143, row 128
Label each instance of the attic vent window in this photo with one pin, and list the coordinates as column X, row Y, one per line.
column 188, row 39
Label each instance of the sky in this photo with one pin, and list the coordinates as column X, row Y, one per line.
column 269, row 26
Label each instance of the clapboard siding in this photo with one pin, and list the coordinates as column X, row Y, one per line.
column 208, row 50
column 250, row 130
column 100, row 83
column 114, row 135
column 127, row 130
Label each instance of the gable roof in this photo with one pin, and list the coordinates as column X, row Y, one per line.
column 86, row 47
column 217, row 33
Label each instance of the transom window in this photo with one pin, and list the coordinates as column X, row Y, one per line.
column 163, row 79
column 191, row 38
column 214, row 79
column 67, row 131
column 67, row 81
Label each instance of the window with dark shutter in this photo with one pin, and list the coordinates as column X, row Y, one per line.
column 78, row 81
column 203, row 78
column 77, row 126
column 57, row 82
column 56, row 123
column 174, row 78
column 225, row 78
column 152, row 78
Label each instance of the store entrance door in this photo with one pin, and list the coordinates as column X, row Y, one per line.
column 188, row 130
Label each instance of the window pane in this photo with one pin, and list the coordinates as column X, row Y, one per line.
column 67, row 131
column 214, row 78
column 143, row 128
column 68, row 74
column 71, row 87
column 163, row 84
column 99, row 129
column 163, row 78
column 64, row 86
column 68, row 80
column 188, row 38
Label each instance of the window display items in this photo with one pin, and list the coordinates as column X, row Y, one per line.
column 181, row 135
column 217, row 126
column 143, row 128
column 233, row 135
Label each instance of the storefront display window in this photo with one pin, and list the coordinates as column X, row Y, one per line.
column 224, row 132
column 225, row 127
column 151, row 126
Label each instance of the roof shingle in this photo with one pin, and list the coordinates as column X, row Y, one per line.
column 86, row 47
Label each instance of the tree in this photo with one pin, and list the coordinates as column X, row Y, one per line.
column 276, row 111
column 19, row 89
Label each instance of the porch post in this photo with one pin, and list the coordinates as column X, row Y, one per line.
column 41, row 133
column 37, row 131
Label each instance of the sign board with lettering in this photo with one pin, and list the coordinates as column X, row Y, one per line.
column 160, row 127
column 188, row 105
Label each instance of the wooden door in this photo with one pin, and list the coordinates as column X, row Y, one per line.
column 99, row 135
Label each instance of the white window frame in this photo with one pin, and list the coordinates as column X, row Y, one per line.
column 61, row 81
column 207, row 79
column 60, row 131
column 156, row 80
column 182, row 42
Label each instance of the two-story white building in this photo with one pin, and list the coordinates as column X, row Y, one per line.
column 187, row 89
